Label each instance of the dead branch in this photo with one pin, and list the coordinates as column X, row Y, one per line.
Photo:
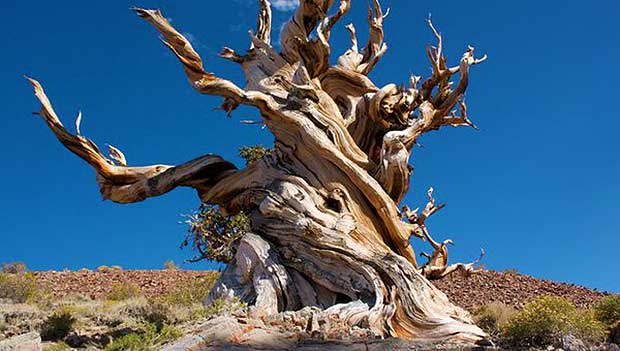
column 375, row 48
column 433, row 271
column 123, row 184
column 437, row 265
column 204, row 82
column 263, row 27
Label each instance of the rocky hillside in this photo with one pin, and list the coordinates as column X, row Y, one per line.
column 510, row 288
column 507, row 287
column 96, row 284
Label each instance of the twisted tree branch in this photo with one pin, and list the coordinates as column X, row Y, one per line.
column 202, row 81
column 437, row 266
column 375, row 48
column 123, row 184
column 263, row 27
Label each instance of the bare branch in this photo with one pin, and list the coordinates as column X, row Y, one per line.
column 467, row 61
column 263, row 27
column 431, row 117
column 231, row 55
column 123, row 184
column 420, row 220
column 459, row 120
column 117, row 156
column 315, row 53
column 375, row 48
column 296, row 32
column 437, row 265
column 206, row 83
column 343, row 9
column 435, row 53
column 445, row 97
column 351, row 28
column 433, row 271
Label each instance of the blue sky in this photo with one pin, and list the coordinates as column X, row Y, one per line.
column 537, row 186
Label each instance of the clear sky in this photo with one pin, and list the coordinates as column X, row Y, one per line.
column 537, row 186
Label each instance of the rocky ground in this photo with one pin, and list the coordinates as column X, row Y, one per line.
column 100, row 320
column 97, row 284
column 510, row 288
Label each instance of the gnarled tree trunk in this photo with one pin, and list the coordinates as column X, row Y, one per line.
column 326, row 228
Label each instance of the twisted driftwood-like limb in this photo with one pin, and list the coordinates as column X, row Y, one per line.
column 202, row 81
column 123, row 184
column 326, row 230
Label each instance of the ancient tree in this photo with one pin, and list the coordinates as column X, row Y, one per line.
column 326, row 229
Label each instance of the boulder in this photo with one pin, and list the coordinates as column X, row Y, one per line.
column 572, row 343
column 25, row 342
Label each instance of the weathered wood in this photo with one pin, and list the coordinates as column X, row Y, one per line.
column 326, row 228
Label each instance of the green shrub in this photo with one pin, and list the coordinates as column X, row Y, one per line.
column 213, row 233
column 146, row 340
column 607, row 310
column 129, row 342
column 14, row 268
column 493, row 317
column 545, row 320
column 123, row 291
column 57, row 326
column 149, row 311
column 191, row 292
column 19, row 288
column 254, row 153
column 221, row 305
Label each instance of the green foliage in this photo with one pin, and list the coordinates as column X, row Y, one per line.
column 254, row 153
column 171, row 266
column 213, row 234
column 123, row 291
column 545, row 320
column 14, row 268
column 57, row 326
column 220, row 305
column 493, row 317
column 146, row 340
column 607, row 310
column 191, row 292
column 153, row 312
column 19, row 288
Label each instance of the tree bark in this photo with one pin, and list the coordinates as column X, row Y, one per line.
column 326, row 227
